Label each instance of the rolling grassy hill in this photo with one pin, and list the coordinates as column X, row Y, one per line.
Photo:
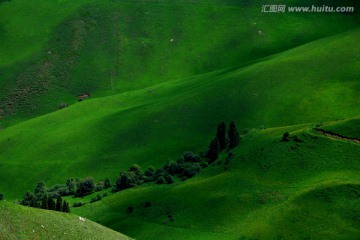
column 102, row 136
column 162, row 75
column 272, row 190
column 52, row 51
column 23, row 223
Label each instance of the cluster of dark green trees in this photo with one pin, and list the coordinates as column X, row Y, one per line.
column 224, row 140
column 41, row 199
column 185, row 167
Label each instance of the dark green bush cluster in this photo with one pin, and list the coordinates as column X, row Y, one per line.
column 128, row 179
column 286, row 137
column 42, row 200
column 77, row 187
column 84, row 187
column 1, row 196
column 95, row 199
column 185, row 167
column 78, row 204
column 43, row 197
column 58, row 190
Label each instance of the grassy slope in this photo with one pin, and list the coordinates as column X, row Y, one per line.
column 272, row 190
column 347, row 128
column 18, row 222
column 102, row 136
column 52, row 51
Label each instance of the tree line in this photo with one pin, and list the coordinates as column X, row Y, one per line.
column 185, row 167
column 40, row 199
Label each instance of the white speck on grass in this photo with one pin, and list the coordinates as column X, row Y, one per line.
column 171, row 40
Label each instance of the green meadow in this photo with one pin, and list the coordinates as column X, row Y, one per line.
column 272, row 190
column 53, row 51
column 18, row 222
column 162, row 75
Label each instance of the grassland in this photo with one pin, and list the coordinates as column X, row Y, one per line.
column 347, row 128
column 162, row 76
column 53, row 51
column 102, row 136
column 272, row 190
column 23, row 223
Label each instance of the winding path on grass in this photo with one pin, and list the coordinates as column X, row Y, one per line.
column 336, row 136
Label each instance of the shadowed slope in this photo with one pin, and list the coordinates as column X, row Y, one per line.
column 102, row 136
column 305, row 189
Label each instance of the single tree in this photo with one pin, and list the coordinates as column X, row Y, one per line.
column 44, row 202
column 1, row 196
column 71, row 184
column 66, row 207
column 40, row 190
column 51, row 204
column 221, row 136
column 286, row 137
column 58, row 204
column 85, row 187
column 214, row 150
column 136, row 169
column 150, row 172
column 234, row 137
column 107, row 183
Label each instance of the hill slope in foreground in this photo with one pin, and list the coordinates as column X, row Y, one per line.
column 103, row 136
column 24, row 223
column 307, row 188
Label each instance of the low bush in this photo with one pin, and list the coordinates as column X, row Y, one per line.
column 78, row 204
column 130, row 209
column 95, row 199
column 286, row 137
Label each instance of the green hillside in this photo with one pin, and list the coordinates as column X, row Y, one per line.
column 52, row 51
column 162, row 75
column 308, row 189
column 102, row 136
column 347, row 128
column 23, row 223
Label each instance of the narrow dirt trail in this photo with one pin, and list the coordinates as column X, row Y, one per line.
column 336, row 136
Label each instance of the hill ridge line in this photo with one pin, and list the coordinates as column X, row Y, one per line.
column 232, row 69
column 337, row 136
